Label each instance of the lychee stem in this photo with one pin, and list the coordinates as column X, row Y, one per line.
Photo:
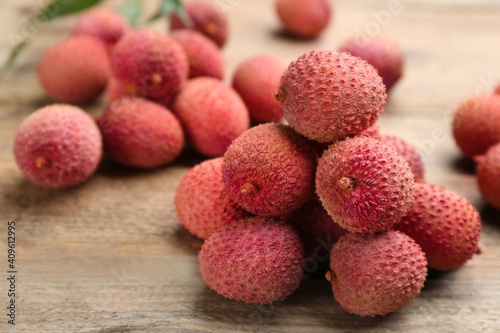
column 41, row 162
column 345, row 183
column 155, row 79
column 279, row 96
column 248, row 189
column 328, row 276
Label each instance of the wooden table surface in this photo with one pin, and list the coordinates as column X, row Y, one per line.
column 111, row 256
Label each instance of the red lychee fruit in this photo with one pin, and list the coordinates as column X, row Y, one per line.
column 382, row 53
column 371, row 132
column 304, row 18
column 488, row 175
column 114, row 90
column 376, row 274
column 58, row 146
column 140, row 133
column 204, row 56
column 328, row 96
column 102, row 23
column 256, row 79
column 365, row 185
column 444, row 224
column 479, row 118
column 75, row 70
column 149, row 64
column 202, row 201
column 207, row 18
column 269, row 170
column 212, row 114
column 409, row 153
column 254, row 260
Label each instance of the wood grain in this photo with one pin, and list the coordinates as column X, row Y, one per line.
column 111, row 256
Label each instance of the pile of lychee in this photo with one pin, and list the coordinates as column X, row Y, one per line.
column 326, row 183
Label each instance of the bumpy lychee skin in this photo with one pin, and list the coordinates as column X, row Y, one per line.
column 204, row 56
column 212, row 114
column 478, row 117
column 409, row 153
column 376, row 274
column 256, row 79
column 382, row 53
column 365, row 185
column 58, row 146
column 207, row 18
column 269, row 170
column 444, row 224
column 149, row 64
column 488, row 175
column 328, row 96
column 304, row 18
column 104, row 24
column 371, row 132
column 75, row 70
column 139, row 133
column 254, row 260
column 202, row 201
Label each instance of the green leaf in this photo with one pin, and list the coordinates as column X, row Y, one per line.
column 168, row 7
column 64, row 7
column 131, row 10
column 12, row 57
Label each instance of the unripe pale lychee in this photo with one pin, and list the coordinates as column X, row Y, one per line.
column 256, row 79
column 488, row 175
column 479, row 118
column 212, row 114
column 304, row 18
column 58, row 146
column 254, row 260
column 149, row 64
column 269, row 170
column 328, row 96
column 409, row 153
column 203, row 55
column 382, row 53
column 376, row 274
column 75, row 70
column 207, row 18
column 202, row 201
column 365, row 185
column 444, row 224
column 140, row 133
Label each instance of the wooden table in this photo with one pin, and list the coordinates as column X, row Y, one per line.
column 111, row 256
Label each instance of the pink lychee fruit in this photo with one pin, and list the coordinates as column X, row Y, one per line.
column 381, row 52
column 212, row 114
column 365, row 185
column 254, row 260
column 256, row 79
column 149, row 64
column 75, row 70
column 328, row 96
column 202, row 201
column 488, row 175
column 269, row 170
column 375, row 274
column 479, row 118
column 114, row 90
column 304, row 18
column 410, row 154
column 444, row 224
column 58, row 146
column 139, row 133
column 372, row 132
column 207, row 18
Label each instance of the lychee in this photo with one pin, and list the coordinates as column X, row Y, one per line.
column 202, row 201
column 256, row 79
column 304, row 18
column 140, row 133
column 203, row 55
column 58, row 146
column 382, row 53
column 114, row 90
column 478, row 117
column 372, row 132
column 328, row 96
column 255, row 260
column 269, row 170
column 409, row 153
column 444, row 224
column 207, row 18
column 75, row 70
column 375, row 274
column 212, row 114
column 365, row 185
column 488, row 175
column 149, row 64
